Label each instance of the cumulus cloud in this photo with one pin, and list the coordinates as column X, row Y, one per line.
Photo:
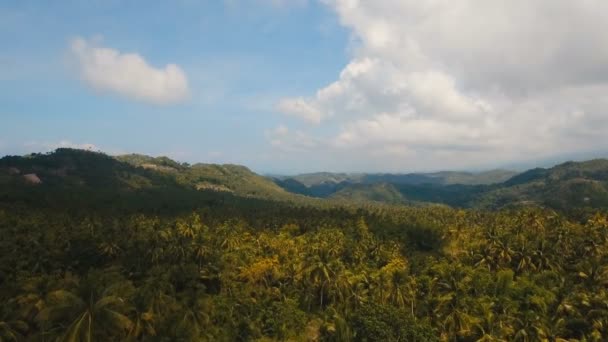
column 447, row 82
column 128, row 74
column 301, row 108
column 286, row 140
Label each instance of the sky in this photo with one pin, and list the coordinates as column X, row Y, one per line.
column 289, row 86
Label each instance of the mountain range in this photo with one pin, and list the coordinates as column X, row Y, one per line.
column 68, row 174
column 564, row 186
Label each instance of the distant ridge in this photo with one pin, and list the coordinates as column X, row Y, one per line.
column 70, row 175
column 567, row 186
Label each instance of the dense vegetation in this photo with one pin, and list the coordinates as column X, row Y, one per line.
column 125, row 252
column 442, row 178
column 574, row 187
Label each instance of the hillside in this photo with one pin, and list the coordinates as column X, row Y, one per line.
column 319, row 179
column 568, row 186
column 67, row 175
column 237, row 179
column 382, row 192
column 564, row 186
column 327, row 184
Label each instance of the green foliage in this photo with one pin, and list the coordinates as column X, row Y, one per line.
column 377, row 192
column 576, row 188
column 90, row 178
column 424, row 236
column 373, row 322
column 88, row 256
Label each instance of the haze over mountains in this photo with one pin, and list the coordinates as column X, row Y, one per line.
column 568, row 186
column 324, row 184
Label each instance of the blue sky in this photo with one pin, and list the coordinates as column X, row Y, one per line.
column 239, row 60
column 290, row 86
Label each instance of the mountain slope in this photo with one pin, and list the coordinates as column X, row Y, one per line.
column 324, row 184
column 571, row 186
column 565, row 186
column 382, row 192
column 68, row 175
column 568, row 186
column 228, row 177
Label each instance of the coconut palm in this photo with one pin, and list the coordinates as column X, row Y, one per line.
column 87, row 313
column 12, row 330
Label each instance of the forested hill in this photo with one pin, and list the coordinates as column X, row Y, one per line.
column 442, row 177
column 66, row 176
column 326, row 184
column 571, row 185
column 237, row 179
column 567, row 185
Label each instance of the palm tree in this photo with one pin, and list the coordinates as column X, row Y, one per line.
column 12, row 330
column 194, row 316
column 491, row 326
column 152, row 304
column 87, row 313
column 201, row 249
column 144, row 319
column 320, row 270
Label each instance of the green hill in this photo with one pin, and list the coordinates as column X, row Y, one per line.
column 326, row 184
column 230, row 178
column 67, row 176
column 317, row 178
column 571, row 186
column 383, row 192
column 311, row 180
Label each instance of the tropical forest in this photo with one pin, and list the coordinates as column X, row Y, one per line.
column 304, row 171
column 136, row 248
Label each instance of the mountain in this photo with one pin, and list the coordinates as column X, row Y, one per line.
column 325, row 179
column 470, row 178
column 321, row 190
column 337, row 185
column 568, row 186
column 317, row 178
column 228, row 177
column 380, row 192
column 69, row 175
column 565, row 186
column 456, row 195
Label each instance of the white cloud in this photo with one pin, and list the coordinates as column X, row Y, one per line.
column 281, row 130
column 128, row 74
column 460, row 83
column 301, row 108
column 286, row 140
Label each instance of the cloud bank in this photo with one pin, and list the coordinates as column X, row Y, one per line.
column 442, row 83
column 128, row 74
